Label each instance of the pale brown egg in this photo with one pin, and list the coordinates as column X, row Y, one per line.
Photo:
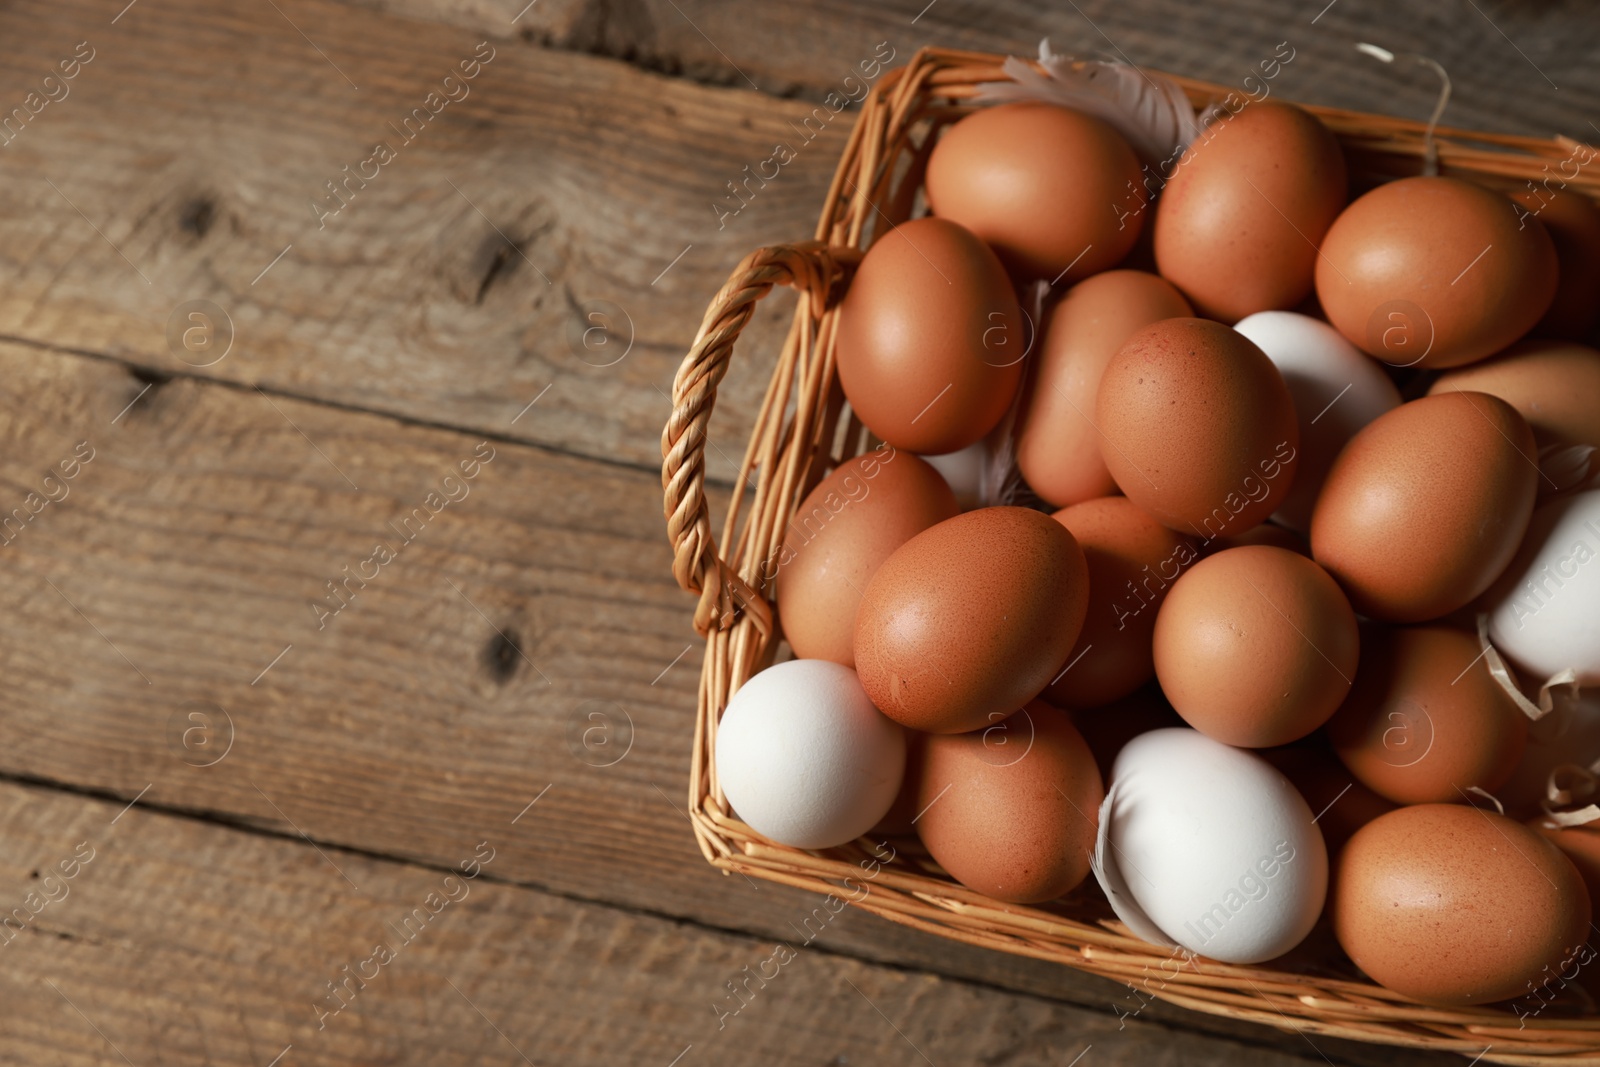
column 1256, row 646
column 1058, row 447
column 930, row 338
column 844, row 529
column 1237, row 227
column 1055, row 192
column 1426, row 505
column 1554, row 385
column 1133, row 561
column 1425, row 721
column 1573, row 221
column 970, row 619
column 1454, row 906
column 1012, row 810
column 1434, row 272
column 1198, row 427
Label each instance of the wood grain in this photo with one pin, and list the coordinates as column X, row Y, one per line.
column 508, row 653
column 1518, row 67
column 521, row 240
column 181, row 943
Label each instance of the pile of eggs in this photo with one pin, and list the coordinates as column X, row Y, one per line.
column 1282, row 451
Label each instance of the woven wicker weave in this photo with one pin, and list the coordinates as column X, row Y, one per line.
column 804, row 428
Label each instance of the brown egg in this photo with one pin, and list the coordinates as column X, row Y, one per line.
column 1434, row 272
column 1109, row 727
column 1198, row 427
column 930, row 338
column 1573, row 222
column 1133, row 560
column 846, row 527
column 1047, row 187
column 1058, row 448
column 970, row 619
column 1237, row 226
column 1426, row 505
column 1425, row 721
column 1012, row 811
column 1454, row 906
column 1255, row 646
column 1341, row 805
column 1552, row 384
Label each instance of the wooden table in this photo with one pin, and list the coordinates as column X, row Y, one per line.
column 334, row 557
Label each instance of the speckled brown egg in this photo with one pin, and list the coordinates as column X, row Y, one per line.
column 1455, row 906
column 971, row 619
column 1573, row 222
column 1426, row 505
column 1198, row 427
column 1012, row 810
column 1256, row 646
column 1425, row 721
column 1133, row 561
column 1047, row 187
column 1237, row 227
column 1058, row 448
column 1434, row 272
column 844, row 529
column 930, row 338
column 1554, row 385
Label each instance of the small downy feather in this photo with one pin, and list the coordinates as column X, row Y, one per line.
column 1150, row 110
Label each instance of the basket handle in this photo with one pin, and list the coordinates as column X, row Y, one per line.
column 812, row 267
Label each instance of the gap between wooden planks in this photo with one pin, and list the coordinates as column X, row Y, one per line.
column 179, row 943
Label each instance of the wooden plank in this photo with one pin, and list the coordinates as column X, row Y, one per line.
column 177, row 942
column 177, row 578
column 1507, row 60
column 483, row 264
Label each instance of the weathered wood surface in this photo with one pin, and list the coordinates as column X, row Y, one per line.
column 178, row 575
column 480, row 266
column 1517, row 67
column 390, row 344
column 180, row 943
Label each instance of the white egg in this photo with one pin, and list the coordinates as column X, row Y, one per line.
column 805, row 758
column 1209, row 847
column 1544, row 612
column 1336, row 389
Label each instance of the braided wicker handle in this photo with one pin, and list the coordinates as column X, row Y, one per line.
column 811, row 267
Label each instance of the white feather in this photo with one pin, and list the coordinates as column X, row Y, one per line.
column 1150, row 110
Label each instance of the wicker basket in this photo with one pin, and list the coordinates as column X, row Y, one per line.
column 804, row 428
